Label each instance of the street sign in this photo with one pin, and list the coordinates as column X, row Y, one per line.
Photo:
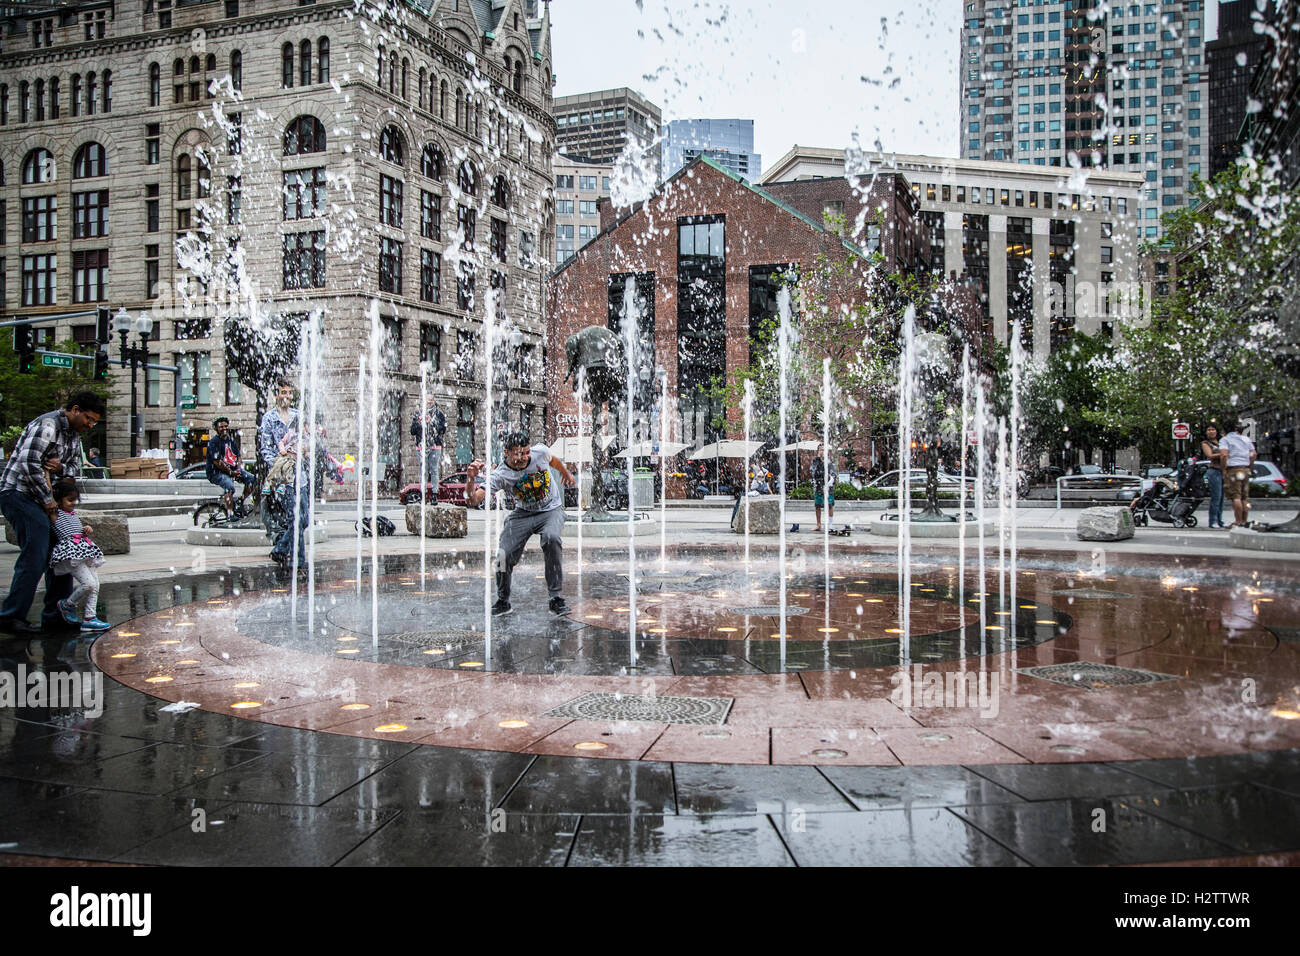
column 1182, row 431
column 187, row 401
column 182, row 429
column 56, row 361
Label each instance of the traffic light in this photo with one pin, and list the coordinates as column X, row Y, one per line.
column 101, row 329
column 101, row 364
column 24, row 347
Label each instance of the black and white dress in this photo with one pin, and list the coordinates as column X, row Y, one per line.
column 74, row 547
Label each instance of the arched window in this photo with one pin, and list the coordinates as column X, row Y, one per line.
column 431, row 163
column 38, row 167
column 467, row 179
column 323, row 60
column 304, row 63
column 178, row 67
column 205, row 173
column 460, row 106
column 92, row 93
column 519, row 76
column 379, row 67
column 4, row 104
column 2, row 172
column 419, row 90
column 392, row 73
column 391, row 146
column 500, row 193
column 75, row 98
column 237, row 69
column 40, row 100
column 306, row 134
column 478, row 116
column 406, row 69
column 210, row 64
column 107, row 98
column 183, row 176
column 89, row 161
column 286, row 66
column 24, row 101
column 54, row 97
column 155, row 84
column 442, row 99
column 194, row 65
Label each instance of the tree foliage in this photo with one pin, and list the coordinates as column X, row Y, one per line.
column 24, row 396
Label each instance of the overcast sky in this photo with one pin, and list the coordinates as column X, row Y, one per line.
column 811, row 74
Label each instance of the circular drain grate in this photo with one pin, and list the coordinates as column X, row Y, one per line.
column 769, row 610
column 425, row 639
column 602, row 706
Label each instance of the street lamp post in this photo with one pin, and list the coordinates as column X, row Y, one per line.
column 138, row 356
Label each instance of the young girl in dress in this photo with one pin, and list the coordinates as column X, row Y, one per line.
column 77, row 555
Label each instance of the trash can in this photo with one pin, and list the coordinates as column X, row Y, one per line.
column 642, row 491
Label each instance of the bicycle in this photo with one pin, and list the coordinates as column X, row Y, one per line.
column 214, row 514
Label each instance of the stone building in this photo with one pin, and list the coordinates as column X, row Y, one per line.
column 274, row 161
column 579, row 186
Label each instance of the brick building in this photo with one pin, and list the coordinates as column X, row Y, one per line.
column 706, row 253
column 400, row 157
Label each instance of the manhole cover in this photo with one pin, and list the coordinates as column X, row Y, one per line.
column 1095, row 593
column 769, row 610
column 1092, row 676
column 657, row 709
column 425, row 639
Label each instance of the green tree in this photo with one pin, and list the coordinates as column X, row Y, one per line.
column 1065, row 405
column 25, row 396
column 1220, row 343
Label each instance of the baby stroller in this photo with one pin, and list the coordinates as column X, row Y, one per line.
column 1173, row 501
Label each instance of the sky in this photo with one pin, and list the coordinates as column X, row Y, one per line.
column 807, row 74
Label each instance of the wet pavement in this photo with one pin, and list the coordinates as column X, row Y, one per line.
column 827, row 757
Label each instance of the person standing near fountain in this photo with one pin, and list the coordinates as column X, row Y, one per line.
column 525, row 476
column 277, row 444
column 427, row 429
column 823, row 489
column 1214, row 475
column 1240, row 452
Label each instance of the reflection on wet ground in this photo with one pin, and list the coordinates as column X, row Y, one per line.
column 821, row 765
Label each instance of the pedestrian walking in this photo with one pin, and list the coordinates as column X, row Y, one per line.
column 1240, row 455
column 1214, row 474
column 77, row 555
column 50, row 445
column 428, row 428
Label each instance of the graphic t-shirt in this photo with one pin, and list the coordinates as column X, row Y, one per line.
column 534, row 488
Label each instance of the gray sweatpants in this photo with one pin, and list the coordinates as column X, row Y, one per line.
column 519, row 526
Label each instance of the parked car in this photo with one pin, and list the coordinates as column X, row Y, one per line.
column 199, row 471
column 1267, row 479
column 947, row 482
column 451, row 489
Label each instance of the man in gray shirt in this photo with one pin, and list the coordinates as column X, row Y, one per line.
column 525, row 476
column 1236, row 476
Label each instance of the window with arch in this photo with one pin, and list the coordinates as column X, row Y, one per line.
column 306, row 134
column 323, row 60
column 286, row 66
column 106, row 97
column 155, row 84
column 431, row 163
column 406, row 69
column 460, row 106
column 40, row 100
column 210, row 64
column 379, row 67
column 184, row 167
column 237, row 69
column 74, row 99
column 467, row 179
column 419, row 88
column 478, row 117
column 442, row 99
column 391, row 146
column 392, row 73
column 519, row 77
column 4, row 104
column 304, row 63
column 38, row 167
column 92, row 92
column 24, row 101
column 54, row 97
column 500, row 193
column 90, row 161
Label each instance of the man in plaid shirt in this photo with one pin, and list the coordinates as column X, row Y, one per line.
column 49, row 448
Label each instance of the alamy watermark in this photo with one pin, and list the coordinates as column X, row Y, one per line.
column 61, row 689
column 921, row 688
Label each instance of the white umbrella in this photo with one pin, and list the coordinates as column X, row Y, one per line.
column 808, row 444
column 726, row 448
column 573, row 450
column 645, row 448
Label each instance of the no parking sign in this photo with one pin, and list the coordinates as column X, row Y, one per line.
column 1182, row 431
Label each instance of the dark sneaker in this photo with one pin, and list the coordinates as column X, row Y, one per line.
column 501, row 607
column 18, row 626
column 558, row 606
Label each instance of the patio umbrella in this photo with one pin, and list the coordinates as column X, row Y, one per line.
column 644, row 448
column 726, row 448
column 573, row 449
column 808, row 444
